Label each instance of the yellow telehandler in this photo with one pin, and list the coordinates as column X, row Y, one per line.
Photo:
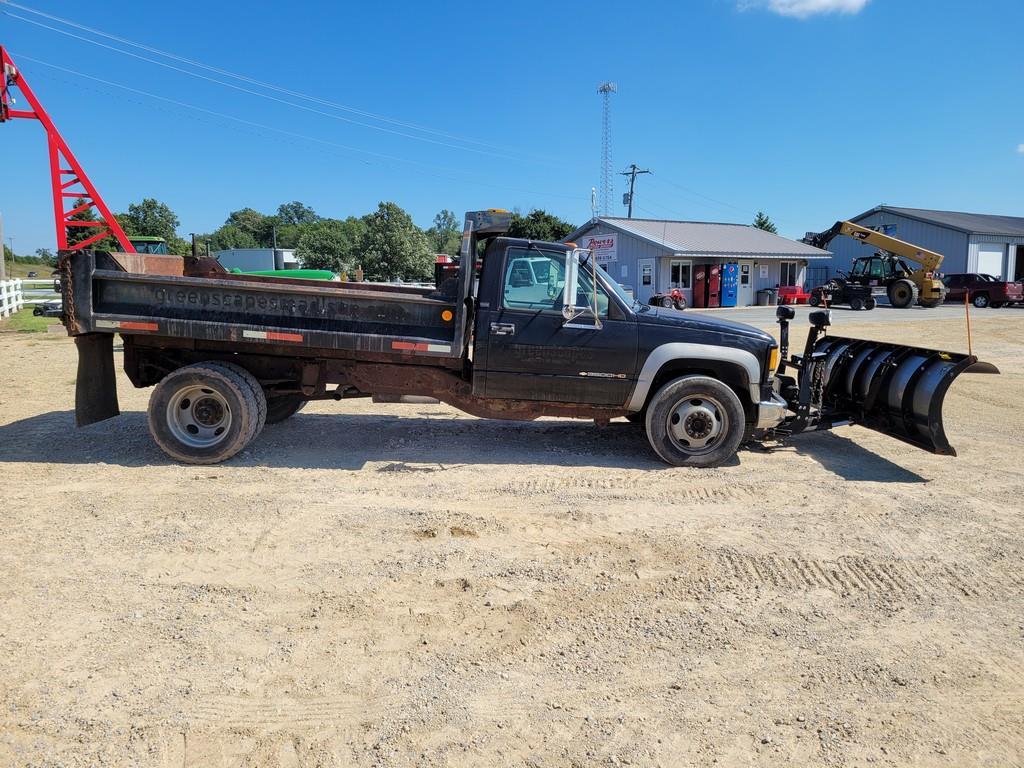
column 887, row 268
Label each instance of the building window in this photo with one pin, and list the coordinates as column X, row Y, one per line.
column 646, row 274
column 679, row 274
column 788, row 273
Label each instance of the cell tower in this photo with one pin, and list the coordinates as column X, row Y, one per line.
column 606, row 89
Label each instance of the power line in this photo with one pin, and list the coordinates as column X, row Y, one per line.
column 247, row 79
column 699, row 194
column 299, row 136
column 261, row 95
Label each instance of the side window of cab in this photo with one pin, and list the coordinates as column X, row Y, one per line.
column 533, row 279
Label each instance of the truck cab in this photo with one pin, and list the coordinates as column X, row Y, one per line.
column 553, row 327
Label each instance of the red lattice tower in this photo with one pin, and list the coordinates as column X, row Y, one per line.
column 68, row 179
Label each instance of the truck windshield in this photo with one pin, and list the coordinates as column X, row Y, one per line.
column 607, row 282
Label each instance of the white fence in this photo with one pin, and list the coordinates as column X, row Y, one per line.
column 11, row 297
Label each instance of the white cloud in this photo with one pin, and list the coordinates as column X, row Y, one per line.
column 1020, row 148
column 801, row 9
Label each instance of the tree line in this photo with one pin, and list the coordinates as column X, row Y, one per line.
column 386, row 243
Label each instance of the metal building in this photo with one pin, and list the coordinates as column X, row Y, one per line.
column 256, row 259
column 650, row 256
column 971, row 242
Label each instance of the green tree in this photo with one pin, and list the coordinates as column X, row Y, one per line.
column 231, row 236
column 445, row 235
column 152, row 218
column 288, row 234
column 296, row 213
column 257, row 224
column 330, row 244
column 393, row 246
column 78, row 234
column 45, row 256
column 539, row 225
column 761, row 221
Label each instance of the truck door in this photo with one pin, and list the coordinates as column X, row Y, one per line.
column 533, row 354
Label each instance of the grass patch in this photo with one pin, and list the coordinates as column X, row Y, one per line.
column 24, row 321
column 16, row 270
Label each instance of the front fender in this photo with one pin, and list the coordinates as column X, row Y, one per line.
column 666, row 354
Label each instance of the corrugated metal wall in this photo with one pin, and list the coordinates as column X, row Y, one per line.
column 629, row 251
column 1009, row 246
column 948, row 242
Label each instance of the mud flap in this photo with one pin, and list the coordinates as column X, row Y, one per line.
column 95, row 387
column 891, row 388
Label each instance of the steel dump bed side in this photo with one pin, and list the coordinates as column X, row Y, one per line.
column 101, row 298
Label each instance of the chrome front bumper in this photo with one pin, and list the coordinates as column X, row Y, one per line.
column 771, row 413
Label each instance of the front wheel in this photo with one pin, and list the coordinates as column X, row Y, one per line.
column 206, row 413
column 856, row 303
column 903, row 294
column 870, row 303
column 667, row 303
column 814, row 300
column 695, row 421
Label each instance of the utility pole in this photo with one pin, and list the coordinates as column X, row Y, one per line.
column 3, row 256
column 627, row 198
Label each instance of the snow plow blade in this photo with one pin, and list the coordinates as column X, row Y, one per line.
column 891, row 388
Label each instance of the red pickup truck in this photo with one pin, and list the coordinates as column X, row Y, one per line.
column 984, row 290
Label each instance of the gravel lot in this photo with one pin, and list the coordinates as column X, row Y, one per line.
column 401, row 585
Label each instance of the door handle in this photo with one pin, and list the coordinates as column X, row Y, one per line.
column 503, row 329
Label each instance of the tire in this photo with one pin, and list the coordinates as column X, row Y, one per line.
column 814, row 300
column 980, row 300
column 692, row 410
column 284, row 407
column 856, row 303
column 870, row 303
column 903, row 294
column 206, row 413
column 997, row 304
column 667, row 303
column 257, row 391
column 681, row 304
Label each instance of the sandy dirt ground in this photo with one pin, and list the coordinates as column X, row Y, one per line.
column 402, row 585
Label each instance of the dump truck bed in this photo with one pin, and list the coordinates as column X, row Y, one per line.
column 398, row 320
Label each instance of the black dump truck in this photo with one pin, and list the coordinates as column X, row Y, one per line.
column 517, row 329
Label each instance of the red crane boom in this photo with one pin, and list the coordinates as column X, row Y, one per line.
column 68, row 179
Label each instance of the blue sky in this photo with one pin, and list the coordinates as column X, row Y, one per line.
column 811, row 110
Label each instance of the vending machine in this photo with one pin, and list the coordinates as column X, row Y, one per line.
column 714, row 284
column 700, row 285
column 730, row 284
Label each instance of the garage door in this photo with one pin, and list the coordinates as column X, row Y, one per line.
column 990, row 259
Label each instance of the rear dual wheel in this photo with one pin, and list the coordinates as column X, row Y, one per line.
column 283, row 407
column 206, row 413
column 695, row 421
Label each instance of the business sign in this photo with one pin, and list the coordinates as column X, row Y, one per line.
column 603, row 246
